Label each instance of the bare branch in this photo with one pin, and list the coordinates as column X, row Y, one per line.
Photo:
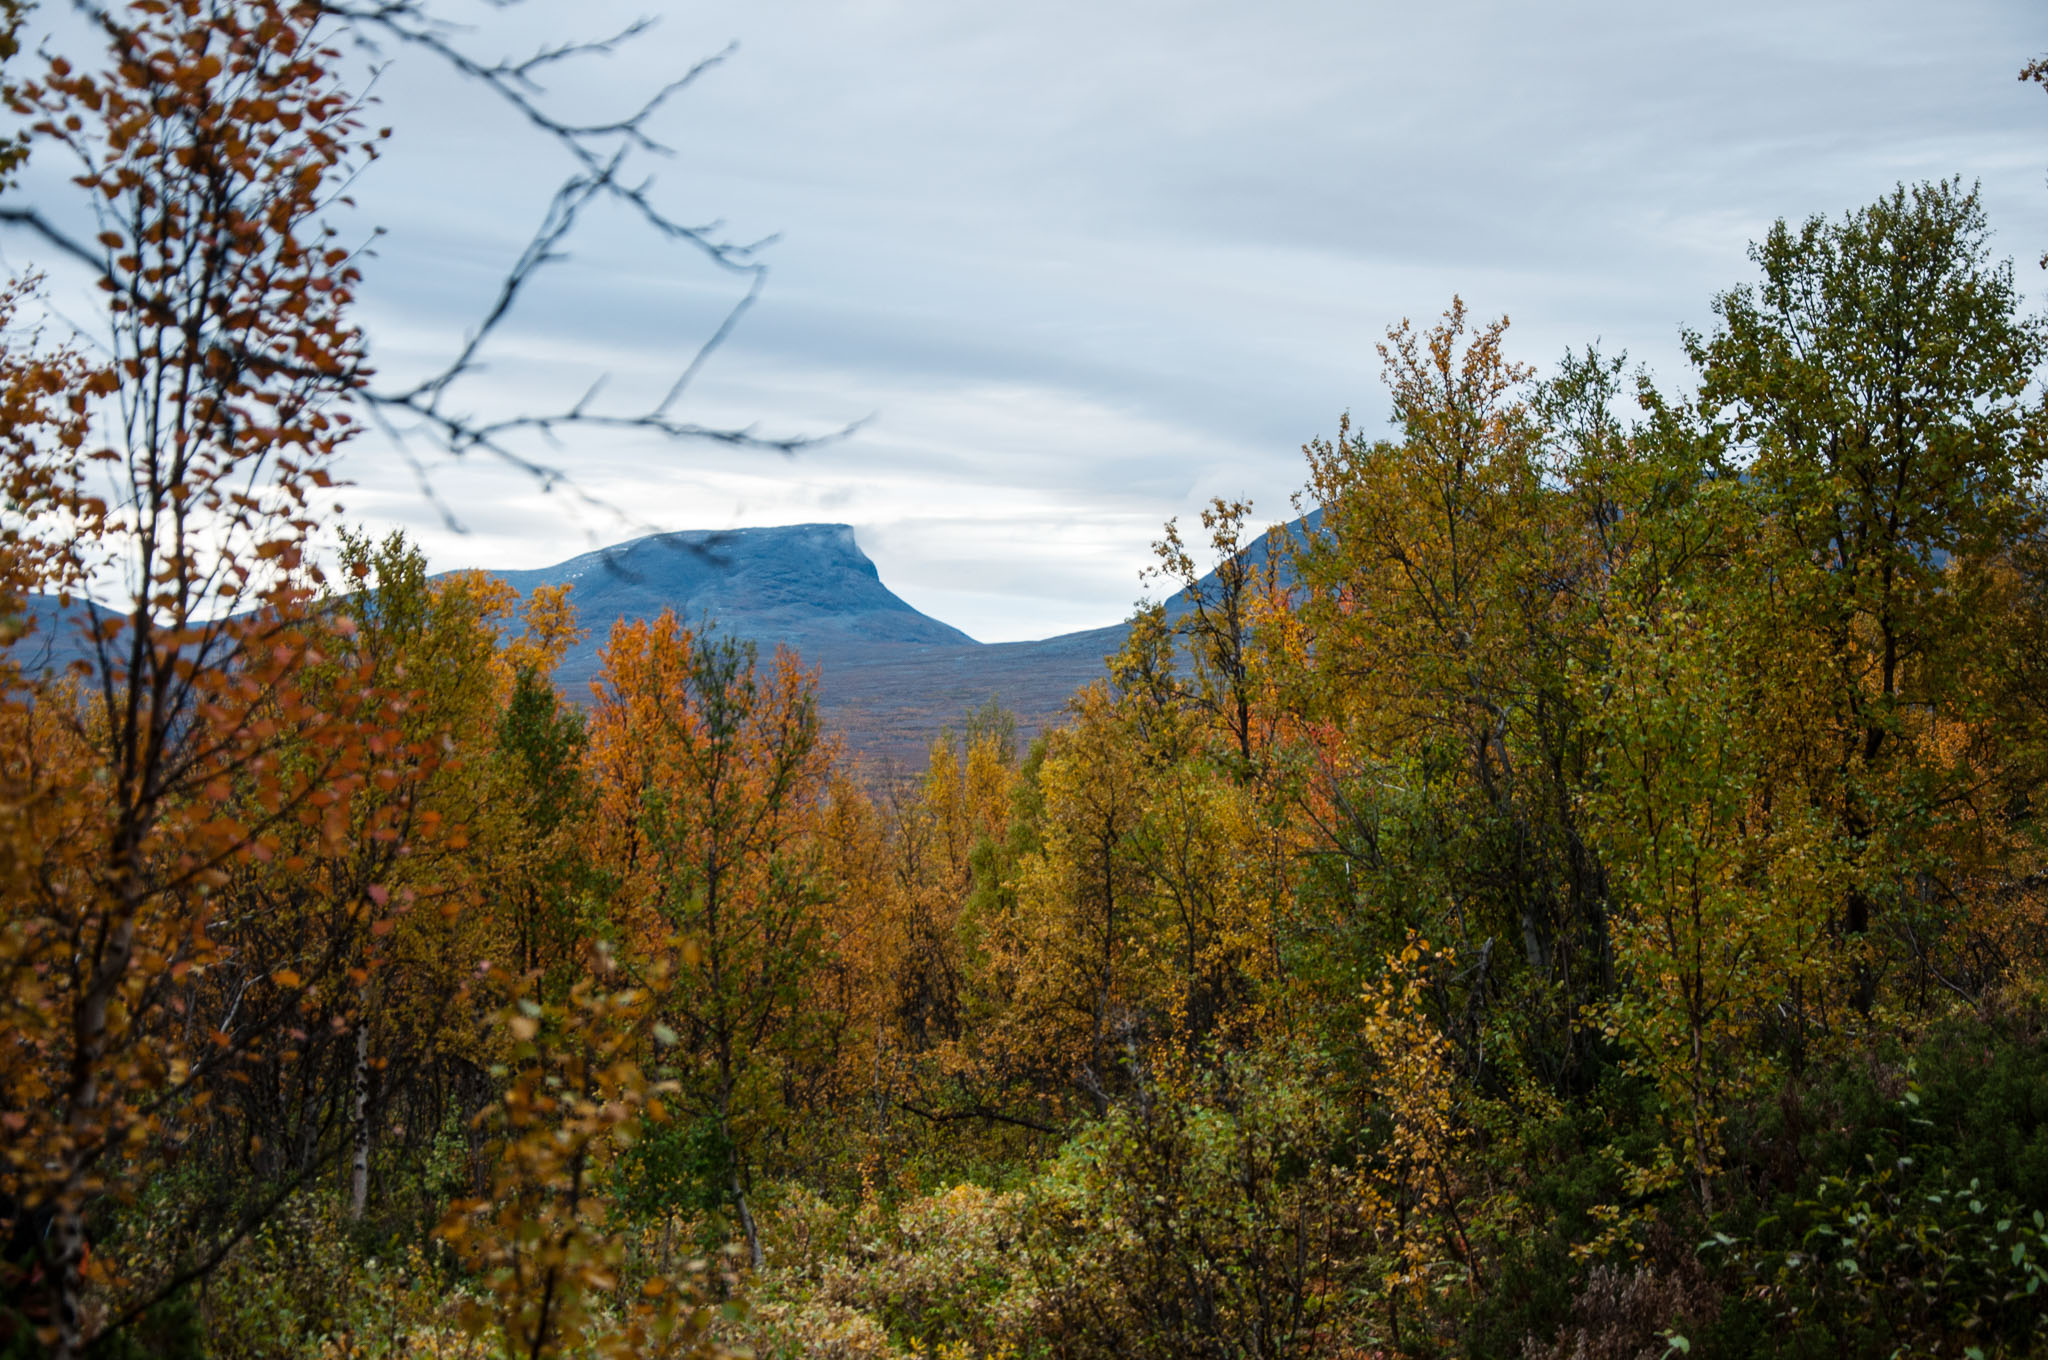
column 34, row 221
column 600, row 153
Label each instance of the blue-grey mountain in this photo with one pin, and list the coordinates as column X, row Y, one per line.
column 890, row 677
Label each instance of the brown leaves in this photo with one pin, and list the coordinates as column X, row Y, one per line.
column 210, row 738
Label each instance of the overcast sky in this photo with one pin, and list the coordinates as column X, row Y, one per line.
column 1082, row 266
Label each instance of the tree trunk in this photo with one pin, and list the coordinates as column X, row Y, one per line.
column 359, row 1166
column 739, row 1200
column 66, row 1251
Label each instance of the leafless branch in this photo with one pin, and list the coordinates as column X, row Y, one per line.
column 600, row 152
column 31, row 220
column 600, row 155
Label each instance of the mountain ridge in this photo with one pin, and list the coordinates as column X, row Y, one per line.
column 890, row 676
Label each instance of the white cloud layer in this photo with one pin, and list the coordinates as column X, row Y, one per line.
column 1086, row 265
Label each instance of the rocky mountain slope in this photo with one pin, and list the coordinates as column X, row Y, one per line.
column 890, row 677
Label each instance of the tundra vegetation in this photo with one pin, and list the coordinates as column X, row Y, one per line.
column 1579, row 893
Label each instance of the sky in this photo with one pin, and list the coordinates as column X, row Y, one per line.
column 1076, row 268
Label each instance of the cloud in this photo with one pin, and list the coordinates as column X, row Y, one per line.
column 1088, row 264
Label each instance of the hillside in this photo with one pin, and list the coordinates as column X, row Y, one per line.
column 891, row 677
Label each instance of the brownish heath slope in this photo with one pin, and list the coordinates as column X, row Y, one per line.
column 891, row 702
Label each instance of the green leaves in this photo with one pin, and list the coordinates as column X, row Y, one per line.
column 1877, row 1256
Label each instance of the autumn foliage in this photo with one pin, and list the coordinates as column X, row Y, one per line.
column 1577, row 890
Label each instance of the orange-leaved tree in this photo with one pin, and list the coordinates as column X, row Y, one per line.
column 176, row 480
column 712, row 773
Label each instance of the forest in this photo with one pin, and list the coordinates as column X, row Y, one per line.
column 1581, row 893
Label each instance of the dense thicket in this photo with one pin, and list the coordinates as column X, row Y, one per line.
column 1578, row 894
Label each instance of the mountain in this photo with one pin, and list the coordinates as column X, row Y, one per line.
column 57, row 635
column 806, row 586
column 891, row 677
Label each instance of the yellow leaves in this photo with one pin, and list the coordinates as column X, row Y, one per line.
column 1411, row 1198
column 548, row 629
column 550, row 1256
column 287, row 979
column 1724, row 871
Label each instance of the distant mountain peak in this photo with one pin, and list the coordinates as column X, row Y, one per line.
column 775, row 547
column 892, row 676
column 808, row 586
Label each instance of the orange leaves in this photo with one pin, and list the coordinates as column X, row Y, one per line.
column 220, row 745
